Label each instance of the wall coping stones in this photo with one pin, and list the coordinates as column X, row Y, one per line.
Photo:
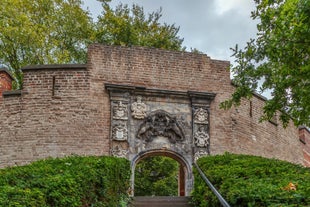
column 304, row 127
column 12, row 93
column 55, row 67
column 7, row 71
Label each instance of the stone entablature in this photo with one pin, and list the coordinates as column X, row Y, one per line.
column 172, row 120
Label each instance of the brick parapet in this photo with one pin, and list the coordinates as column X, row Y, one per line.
column 5, row 81
column 65, row 109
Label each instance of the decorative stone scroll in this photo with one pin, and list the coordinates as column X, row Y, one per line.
column 117, row 151
column 201, row 116
column 201, row 137
column 200, row 154
column 138, row 109
column 119, row 132
column 120, row 111
column 160, row 123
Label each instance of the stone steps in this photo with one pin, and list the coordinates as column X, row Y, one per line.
column 160, row 201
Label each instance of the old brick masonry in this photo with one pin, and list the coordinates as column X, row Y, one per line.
column 65, row 109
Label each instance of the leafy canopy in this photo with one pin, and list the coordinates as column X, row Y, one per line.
column 279, row 58
column 129, row 26
column 59, row 31
column 42, row 32
column 156, row 176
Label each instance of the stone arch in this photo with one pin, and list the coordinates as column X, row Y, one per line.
column 185, row 170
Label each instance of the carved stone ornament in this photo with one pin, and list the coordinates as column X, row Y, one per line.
column 201, row 116
column 120, row 111
column 138, row 109
column 119, row 132
column 119, row 152
column 160, row 123
column 200, row 154
column 201, row 137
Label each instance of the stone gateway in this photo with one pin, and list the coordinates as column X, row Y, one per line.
column 135, row 102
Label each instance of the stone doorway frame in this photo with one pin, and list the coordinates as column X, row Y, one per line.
column 169, row 123
column 185, row 181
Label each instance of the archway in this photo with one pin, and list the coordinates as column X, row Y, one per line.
column 157, row 176
column 185, row 173
column 149, row 122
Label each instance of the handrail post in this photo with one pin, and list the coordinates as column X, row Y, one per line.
column 213, row 189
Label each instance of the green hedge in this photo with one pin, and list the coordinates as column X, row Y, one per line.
column 252, row 181
column 66, row 182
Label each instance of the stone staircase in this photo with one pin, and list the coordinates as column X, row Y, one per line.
column 160, row 201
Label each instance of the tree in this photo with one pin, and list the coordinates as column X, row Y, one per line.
column 279, row 58
column 128, row 26
column 42, row 32
column 156, row 176
column 59, row 31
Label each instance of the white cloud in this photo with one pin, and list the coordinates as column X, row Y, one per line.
column 223, row 6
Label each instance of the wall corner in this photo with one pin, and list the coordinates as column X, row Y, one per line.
column 6, row 80
column 304, row 137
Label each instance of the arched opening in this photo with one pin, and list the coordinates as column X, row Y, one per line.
column 165, row 157
column 157, row 176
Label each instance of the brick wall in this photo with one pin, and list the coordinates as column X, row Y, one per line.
column 52, row 116
column 304, row 136
column 5, row 81
column 65, row 109
column 267, row 139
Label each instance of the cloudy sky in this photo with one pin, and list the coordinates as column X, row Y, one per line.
column 211, row 26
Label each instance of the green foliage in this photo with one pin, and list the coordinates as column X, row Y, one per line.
column 280, row 58
column 156, row 176
column 245, row 180
column 42, row 32
column 71, row 181
column 59, row 31
column 128, row 26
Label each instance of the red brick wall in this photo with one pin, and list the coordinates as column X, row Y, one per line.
column 233, row 131
column 304, row 136
column 5, row 81
column 267, row 139
column 65, row 110
column 41, row 123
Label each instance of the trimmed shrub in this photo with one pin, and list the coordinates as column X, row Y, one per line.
column 63, row 182
column 245, row 180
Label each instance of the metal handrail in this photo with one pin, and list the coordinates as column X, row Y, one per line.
column 213, row 189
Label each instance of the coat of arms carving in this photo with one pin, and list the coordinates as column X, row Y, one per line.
column 201, row 137
column 200, row 154
column 120, row 111
column 160, row 123
column 201, row 116
column 119, row 132
column 138, row 109
column 119, row 152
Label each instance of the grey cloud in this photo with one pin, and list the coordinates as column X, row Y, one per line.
column 201, row 26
